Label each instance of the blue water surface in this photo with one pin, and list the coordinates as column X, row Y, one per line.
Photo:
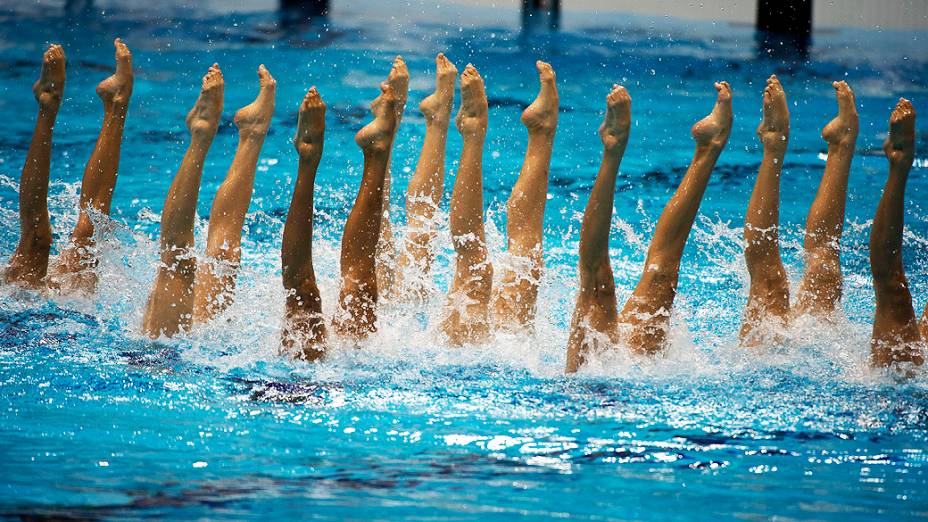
column 98, row 422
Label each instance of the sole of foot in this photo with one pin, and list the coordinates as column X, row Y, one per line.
column 377, row 134
column 541, row 115
column 310, row 127
column 203, row 118
column 254, row 119
column 842, row 130
column 472, row 116
column 438, row 104
column 776, row 111
column 399, row 81
column 615, row 127
column 49, row 88
column 117, row 89
column 713, row 130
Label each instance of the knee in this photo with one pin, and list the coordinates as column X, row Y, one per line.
column 649, row 336
column 304, row 296
column 480, row 282
column 825, row 263
column 888, row 275
column 893, row 291
column 597, row 280
column 769, row 280
column 41, row 240
column 660, row 278
column 84, row 227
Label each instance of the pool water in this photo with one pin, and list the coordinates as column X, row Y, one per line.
column 99, row 422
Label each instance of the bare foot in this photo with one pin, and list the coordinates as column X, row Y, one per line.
column 900, row 145
column 713, row 130
column 116, row 90
column 310, row 127
column 436, row 107
column 472, row 116
column 842, row 130
column 378, row 134
column 254, row 119
column 50, row 85
column 774, row 128
column 203, row 118
column 615, row 127
column 541, row 115
column 399, row 81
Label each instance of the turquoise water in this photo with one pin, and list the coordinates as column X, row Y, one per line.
column 98, row 422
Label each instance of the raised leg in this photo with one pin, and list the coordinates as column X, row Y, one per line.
column 74, row 270
column 426, row 185
column 170, row 304
column 647, row 312
column 356, row 317
column 514, row 303
column 595, row 314
column 215, row 281
column 467, row 310
column 819, row 291
column 304, row 325
column 29, row 263
column 398, row 79
column 896, row 337
column 769, row 293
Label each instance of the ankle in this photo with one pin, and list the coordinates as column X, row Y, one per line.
column 843, row 144
column 544, row 129
column 252, row 135
column 901, row 162
column 441, row 120
column 310, row 157
column 775, row 145
column 116, row 110
column 49, row 112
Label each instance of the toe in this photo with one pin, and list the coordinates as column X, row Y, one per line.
column 724, row 91
column 843, row 88
column 122, row 51
column 385, row 88
column 545, row 71
column 265, row 78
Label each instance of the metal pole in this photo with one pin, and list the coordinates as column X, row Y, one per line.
column 784, row 29
column 536, row 12
column 793, row 17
